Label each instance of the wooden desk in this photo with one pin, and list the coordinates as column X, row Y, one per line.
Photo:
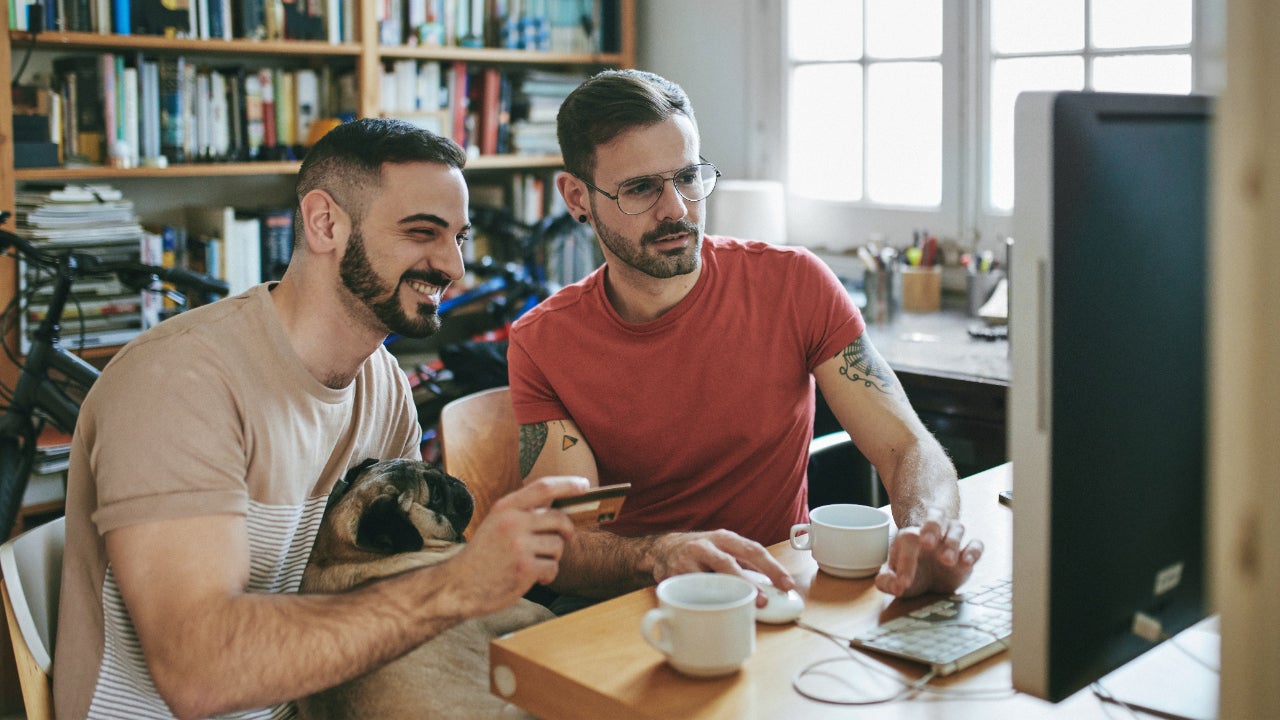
column 594, row 664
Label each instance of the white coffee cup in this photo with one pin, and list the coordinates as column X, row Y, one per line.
column 704, row 623
column 847, row 541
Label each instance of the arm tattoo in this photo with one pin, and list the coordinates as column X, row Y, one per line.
column 862, row 364
column 533, row 438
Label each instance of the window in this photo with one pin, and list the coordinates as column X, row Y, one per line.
column 900, row 112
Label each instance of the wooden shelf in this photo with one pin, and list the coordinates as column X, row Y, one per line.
column 497, row 56
column 176, row 170
column 54, row 41
column 100, row 172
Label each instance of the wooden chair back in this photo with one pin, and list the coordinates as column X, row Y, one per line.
column 480, row 443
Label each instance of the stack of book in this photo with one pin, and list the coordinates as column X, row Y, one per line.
column 94, row 219
column 47, row 483
column 536, row 101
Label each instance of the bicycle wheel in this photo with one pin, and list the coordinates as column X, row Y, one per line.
column 17, row 453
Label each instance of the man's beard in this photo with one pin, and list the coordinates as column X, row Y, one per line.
column 383, row 301
column 654, row 264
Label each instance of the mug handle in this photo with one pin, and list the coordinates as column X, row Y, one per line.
column 805, row 543
column 655, row 620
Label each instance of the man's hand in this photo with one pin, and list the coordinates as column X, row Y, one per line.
column 719, row 551
column 519, row 543
column 929, row 558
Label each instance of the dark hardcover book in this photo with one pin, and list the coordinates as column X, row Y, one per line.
column 610, row 26
column 236, row 113
column 276, row 241
column 76, row 17
column 81, row 75
column 217, row 22
column 301, row 21
column 160, row 17
column 250, row 19
column 172, row 125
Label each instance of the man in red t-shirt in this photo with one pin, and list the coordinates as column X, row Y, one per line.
column 686, row 366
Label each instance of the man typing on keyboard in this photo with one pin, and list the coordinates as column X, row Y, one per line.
column 685, row 365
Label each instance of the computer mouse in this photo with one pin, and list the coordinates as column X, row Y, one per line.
column 783, row 606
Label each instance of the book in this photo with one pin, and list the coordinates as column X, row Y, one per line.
column 149, row 115
column 458, row 101
column 169, row 72
column 171, row 18
column 252, row 19
column 306, row 84
column 243, row 254
column 130, row 115
column 490, row 110
column 120, row 17
column 276, row 240
column 266, row 81
column 82, row 77
column 255, row 125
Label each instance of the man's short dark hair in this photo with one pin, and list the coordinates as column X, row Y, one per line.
column 609, row 104
column 347, row 162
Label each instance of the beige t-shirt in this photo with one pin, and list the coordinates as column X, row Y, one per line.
column 209, row 412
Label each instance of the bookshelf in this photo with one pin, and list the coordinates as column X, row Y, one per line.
column 161, row 192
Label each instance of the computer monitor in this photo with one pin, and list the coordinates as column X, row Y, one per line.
column 1107, row 392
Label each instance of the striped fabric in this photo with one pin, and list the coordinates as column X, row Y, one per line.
column 280, row 540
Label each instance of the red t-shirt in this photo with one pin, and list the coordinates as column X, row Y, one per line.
column 706, row 411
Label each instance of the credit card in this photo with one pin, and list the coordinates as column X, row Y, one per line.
column 596, row 506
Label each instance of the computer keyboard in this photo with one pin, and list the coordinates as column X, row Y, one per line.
column 951, row 634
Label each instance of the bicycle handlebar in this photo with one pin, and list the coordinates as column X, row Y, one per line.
column 136, row 275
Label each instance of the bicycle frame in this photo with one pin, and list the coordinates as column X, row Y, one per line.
column 35, row 389
column 37, row 395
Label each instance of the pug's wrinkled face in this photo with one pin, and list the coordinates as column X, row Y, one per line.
column 405, row 505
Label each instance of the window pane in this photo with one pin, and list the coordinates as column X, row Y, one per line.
column 1008, row 78
column 904, row 28
column 904, row 133
column 1140, row 23
column 825, row 129
column 821, row 30
column 1143, row 73
column 1037, row 25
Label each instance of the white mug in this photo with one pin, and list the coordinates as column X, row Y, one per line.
column 705, row 623
column 848, row 541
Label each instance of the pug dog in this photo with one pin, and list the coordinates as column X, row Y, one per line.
column 393, row 516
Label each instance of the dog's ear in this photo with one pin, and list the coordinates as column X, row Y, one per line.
column 341, row 487
column 385, row 528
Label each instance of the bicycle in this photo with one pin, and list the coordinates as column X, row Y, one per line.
column 52, row 380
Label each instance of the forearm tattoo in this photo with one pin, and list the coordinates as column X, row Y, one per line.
column 533, row 438
column 862, row 364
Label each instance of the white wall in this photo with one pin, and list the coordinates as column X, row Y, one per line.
column 707, row 48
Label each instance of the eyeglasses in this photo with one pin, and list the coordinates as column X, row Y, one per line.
column 638, row 194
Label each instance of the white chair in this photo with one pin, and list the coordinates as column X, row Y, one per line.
column 32, row 576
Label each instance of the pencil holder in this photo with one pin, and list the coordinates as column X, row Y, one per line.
column 922, row 288
column 884, row 294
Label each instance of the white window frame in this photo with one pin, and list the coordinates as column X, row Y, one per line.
column 964, row 214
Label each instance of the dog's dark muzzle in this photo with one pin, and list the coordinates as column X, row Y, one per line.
column 451, row 499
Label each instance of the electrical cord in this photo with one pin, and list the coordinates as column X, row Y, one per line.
column 35, row 23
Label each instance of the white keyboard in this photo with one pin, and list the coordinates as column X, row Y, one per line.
column 951, row 634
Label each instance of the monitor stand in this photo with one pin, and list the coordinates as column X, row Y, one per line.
column 1173, row 681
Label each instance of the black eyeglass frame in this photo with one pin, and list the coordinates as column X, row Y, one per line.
column 662, row 188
